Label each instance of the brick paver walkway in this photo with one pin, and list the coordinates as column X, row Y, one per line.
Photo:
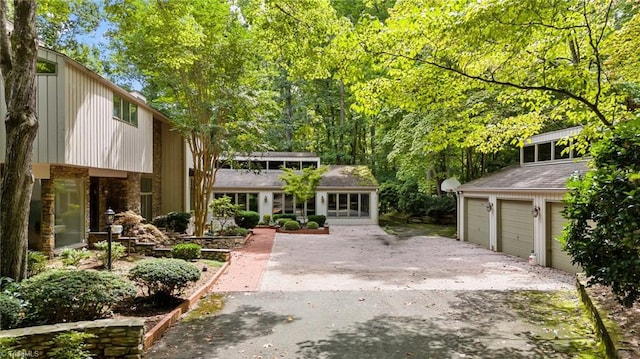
column 248, row 264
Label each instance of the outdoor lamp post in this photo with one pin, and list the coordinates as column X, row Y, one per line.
column 109, row 214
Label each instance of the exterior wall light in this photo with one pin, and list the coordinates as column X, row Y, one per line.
column 266, row 199
column 535, row 212
column 322, row 198
column 489, row 206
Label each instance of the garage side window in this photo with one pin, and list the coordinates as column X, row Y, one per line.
column 348, row 205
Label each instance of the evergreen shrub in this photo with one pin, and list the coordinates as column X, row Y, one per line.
column 291, row 225
column 164, row 277
column 247, row 219
column 318, row 218
column 186, row 251
column 312, row 225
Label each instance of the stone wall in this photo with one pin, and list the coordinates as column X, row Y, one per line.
column 114, row 338
column 220, row 255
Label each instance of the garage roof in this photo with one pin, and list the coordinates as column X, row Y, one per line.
column 533, row 177
column 336, row 178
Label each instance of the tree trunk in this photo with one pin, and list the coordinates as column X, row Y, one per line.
column 342, row 115
column 21, row 124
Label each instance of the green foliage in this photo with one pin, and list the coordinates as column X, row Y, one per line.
column 118, row 251
column 160, row 221
column 312, row 225
column 57, row 295
column 10, row 312
column 291, row 216
column 266, row 218
column 603, row 209
column 320, row 219
column 302, row 184
column 70, row 345
column 223, row 209
column 36, row 263
column 164, row 277
column 237, row 231
column 282, row 221
column 72, row 257
column 291, row 225
column 247, row 219
column 186, row 251
column 178, row 221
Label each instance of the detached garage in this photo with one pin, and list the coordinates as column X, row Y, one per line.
column 518, row 210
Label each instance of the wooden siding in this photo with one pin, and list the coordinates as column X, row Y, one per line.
column 477, row 221
column 557, row 257
column 94, row 138
column 173, row 171
column 515, row 228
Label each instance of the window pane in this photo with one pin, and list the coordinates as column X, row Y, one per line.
column 332, row 205
column 133, row 114
column 69, row 212
column 117, row 106
column 354, row 205
column 306, row 164
column 253, row 202
column 125, row 111
column 364, row 205
column 278, row 203
column 343, row 205
column 289, row 204
column 275, row 165
column 45, row 67
column 544, row 152
column 292, row 164
column 242, row 201
column 146, row 184
column 561, row 152
column 311, row 206
column 529, row 154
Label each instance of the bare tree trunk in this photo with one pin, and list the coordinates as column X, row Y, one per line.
column 342, row 115
column 21, row 123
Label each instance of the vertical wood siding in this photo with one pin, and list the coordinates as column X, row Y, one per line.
column 173, row 171
column 94, row 138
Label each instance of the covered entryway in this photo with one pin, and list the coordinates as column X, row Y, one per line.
column 556, row 256
column 515, row 227
column 477, row 221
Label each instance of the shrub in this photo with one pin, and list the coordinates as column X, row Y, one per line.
column 164, row 277
column 266, row 218
column 59, row 295
column 178, row 221
column 318, row 218
column 237, row 231
column 36, row 263
column 291, row 225
column 117, row 251
column 290, row 216
column 247, row 219
column 72, row 257
column 186, row 251
column 10, row 312
column 71, row 345
column 312, row 225
column 160, row 221
column 282, row 221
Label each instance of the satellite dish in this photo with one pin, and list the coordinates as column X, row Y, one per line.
column 450, row 184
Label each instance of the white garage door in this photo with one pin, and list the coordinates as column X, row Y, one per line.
column 477, row 221
column 557, row 257
column 515, row 227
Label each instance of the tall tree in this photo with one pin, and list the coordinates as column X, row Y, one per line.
column 199, row 58
column 18, row 54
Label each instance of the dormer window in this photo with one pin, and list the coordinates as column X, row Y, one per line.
column 546, row 151
column 125, row 111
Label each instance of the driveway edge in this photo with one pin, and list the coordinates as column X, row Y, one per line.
column 604, row 333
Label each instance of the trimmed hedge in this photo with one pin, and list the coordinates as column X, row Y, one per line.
column 186, row 251
column 237, row 231
column 292, row 225
column 318, row 218
column 291, row 216
column 282, row 221
column 58, row 295
column 10, row 312
column 247, row 219
column 312, row 225
column 178, row 221
column 164, row 277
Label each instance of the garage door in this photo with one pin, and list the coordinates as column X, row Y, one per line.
column 477, row 221
column 515, row 228
column 556, row 256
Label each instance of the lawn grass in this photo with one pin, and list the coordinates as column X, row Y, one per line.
column 396, row 224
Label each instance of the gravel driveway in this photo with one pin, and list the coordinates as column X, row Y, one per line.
column 360, row 293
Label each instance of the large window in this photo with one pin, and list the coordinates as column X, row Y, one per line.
column 286, row 204
column 244, row 201
column 125, row 111
column 352, row 205
column 69, row 212
column 146, row 198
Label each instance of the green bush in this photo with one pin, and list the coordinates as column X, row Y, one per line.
column 247, row 219
column 71, row 345
column 266, row 218
column 318, row 218
column 160, row 221
column 72, row 257
column 312, row 225
column 291, row 225
column 178, row 221
column 10, row 312
column 186, row 251
column 237, row 231
column 290, row 216
column 59, row 295
column 164, row 277
column 282, row 221
column 36, row 263
column 117, row 251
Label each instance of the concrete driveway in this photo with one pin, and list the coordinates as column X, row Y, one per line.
column 360, row 293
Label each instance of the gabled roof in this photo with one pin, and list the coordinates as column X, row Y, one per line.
column 336, row 178
column 541, row 177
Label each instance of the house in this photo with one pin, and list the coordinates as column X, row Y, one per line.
column 98, row 146
column 518, row 210
column 346, row 194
